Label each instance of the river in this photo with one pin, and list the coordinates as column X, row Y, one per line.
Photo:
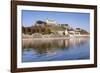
column 56, row 49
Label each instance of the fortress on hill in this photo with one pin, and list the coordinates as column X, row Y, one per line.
column 49, row 27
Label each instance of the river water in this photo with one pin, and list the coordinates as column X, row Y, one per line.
column 56, row 50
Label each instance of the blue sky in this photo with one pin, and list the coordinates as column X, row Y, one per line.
column 75, row 20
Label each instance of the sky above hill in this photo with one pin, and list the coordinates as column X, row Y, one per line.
column 75, row 20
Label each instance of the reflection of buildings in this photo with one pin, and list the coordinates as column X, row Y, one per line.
column 52, row 46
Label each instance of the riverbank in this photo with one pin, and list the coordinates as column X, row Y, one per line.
column 51, row 37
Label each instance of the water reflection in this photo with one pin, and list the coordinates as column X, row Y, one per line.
column 49, row 50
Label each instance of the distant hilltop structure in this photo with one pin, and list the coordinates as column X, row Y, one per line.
column 52, row 27
column 50, row 22
column 47, row 22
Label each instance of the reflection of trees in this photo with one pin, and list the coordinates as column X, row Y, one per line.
column 51, row 46
column 44, row 46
